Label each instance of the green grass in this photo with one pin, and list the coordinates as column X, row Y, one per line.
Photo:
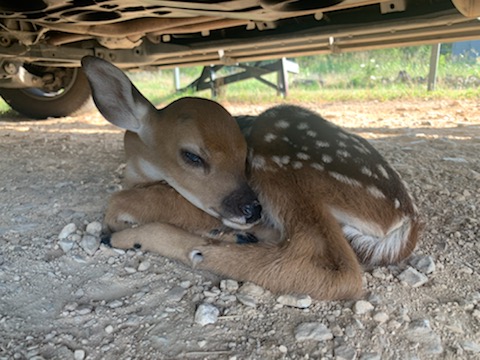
column 372, row 75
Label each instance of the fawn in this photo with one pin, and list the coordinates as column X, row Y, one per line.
column 294, row 203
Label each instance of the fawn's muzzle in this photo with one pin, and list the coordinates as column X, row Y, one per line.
column 242, row 206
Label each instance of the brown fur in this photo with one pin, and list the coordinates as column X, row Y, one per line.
column 302, row 246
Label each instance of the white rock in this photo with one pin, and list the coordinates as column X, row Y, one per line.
column 455, row 159
column 381, row 317
column 66, row 244
column 79, row 354
column 176, row 293
column 229, row 285
column 297, row 301
column 144, row 266
column 425, row 264
column 67, row 230
column 109, row 329
column 247, row 300
column 370, row 356
column 130, row 270
column 362, row 307
column 252, row 290
column 313, row 331
column 115, row 304
column 344, row 352
column 283, row 349
column 206, row 314
column 412, row 277
column 419, row 327
column 90, row 244
column 470, row 346
column 94, row 228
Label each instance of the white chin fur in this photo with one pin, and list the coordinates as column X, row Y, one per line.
column 236, row 225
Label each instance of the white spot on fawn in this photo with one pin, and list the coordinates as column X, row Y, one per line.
column 397, row 204
column 344, row 179
column 282, row 124
column 281, row 160
column 311, row 133
column 303, row 156
column 366, row 171
column 383, row 171
column 342, row 144
column 327, row 159
column 362, row 149
column 322, row 144
column 270, row 137
column 317, row 166
column 297, row 165
column 343, row 153
column 343, row 135
column 376, row 192
column 258, row 162
column 302, row 126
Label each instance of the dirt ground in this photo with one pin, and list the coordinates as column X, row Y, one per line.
column 67, row 304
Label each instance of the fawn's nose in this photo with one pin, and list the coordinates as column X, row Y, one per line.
column 252, row 211
column 242, row 205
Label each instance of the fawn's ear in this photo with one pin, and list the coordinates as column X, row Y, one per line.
column 115, row 96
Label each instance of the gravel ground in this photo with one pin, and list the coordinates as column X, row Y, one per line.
column 62, row 298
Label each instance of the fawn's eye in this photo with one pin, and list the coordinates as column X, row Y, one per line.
column 192, row 159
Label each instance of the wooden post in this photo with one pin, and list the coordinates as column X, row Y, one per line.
column 432, row 75
column 176, row 78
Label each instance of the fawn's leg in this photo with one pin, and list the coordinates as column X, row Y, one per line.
column 315, row 258
column 160, row 203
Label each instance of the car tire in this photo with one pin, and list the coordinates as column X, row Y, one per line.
column 72, row 99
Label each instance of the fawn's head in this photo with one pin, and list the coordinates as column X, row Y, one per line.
column 193, row 144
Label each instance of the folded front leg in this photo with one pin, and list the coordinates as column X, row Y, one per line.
column 156, row 203
column 165, row 239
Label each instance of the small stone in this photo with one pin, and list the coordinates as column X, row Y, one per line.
column 144, row 266
column 202, row 343
column 84, row 310
column 115, row 304
column 362, row 307
column 425, row 264
column 297, row 301
column 176, row 294
column 67, row 230
column 419, row 327
column 247, row 300
column 412, row 277
column 185, row 284
column 370, row 356
column 312, row 331
column 206, row 314
column 252, row 290
column 79, row 354
column 66, row 244
column 130, row 270
column 94, row 228
column 229, row 285
column 344, row 352
column 381, row 317
column 470, row 346
column 79, row 259
column 455, row 159
column 283, row 349
column 109, row 329
column 90, row 244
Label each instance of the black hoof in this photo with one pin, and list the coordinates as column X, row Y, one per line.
column 106, row 240
column 246, row 238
